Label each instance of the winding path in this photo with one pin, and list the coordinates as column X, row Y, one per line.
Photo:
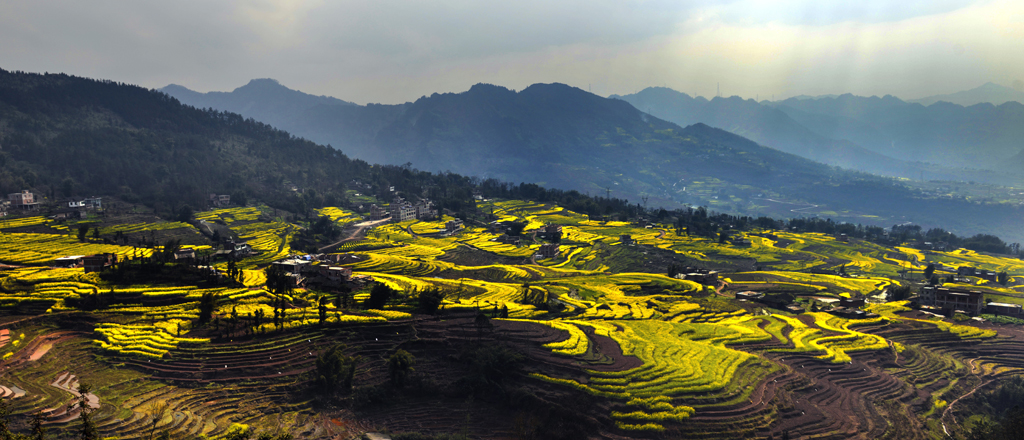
column 950, row 406
column 809, row 206
column 360, row 229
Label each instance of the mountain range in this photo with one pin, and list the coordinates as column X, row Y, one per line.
column 878, row 135
column 989, row 93
column 564, row 137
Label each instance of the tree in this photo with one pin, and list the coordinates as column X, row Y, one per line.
column 156, row 414
column 67, row 187
column 238, row 431
column 1002, row 278
column 379, row 296
column 429, row 300
column 321, row 309
column 82, row 231
column 335, row 370
column 400, row 366
column 185, row 213
column 5, row 420
column 278, row 281
column 88, row 429
column 722, row 237
column 38, row 430
column 207, row 304
column 928, row 271
column 899, row 293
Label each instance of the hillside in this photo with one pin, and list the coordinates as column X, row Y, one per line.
column 990, row 93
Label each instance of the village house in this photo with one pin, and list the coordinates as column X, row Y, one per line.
column 952, row 299
column 98, row 262
column 185, row 254
column 851, row 302
column 740, row 241
column 701, row 276
column 549, row 232
column 66, row 214
column 69, row 261
column 1003, row 309
column 234, row 250
column 626, row 239
column 326, row 277
column 377, row 212
column 220, row 200
column 453, row 226
column 23, row 200
column 425, row 210
column 93, row 203
column 749, row 296
column 508, row 239
column 549, row 250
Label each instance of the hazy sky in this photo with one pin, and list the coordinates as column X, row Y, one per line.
column 393, row 51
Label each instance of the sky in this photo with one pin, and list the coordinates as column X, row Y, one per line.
column 393, row 51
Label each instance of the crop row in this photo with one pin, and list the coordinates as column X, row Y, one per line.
column 144, row 340
column 229, row 215
column 127, row 228
column 44, row 248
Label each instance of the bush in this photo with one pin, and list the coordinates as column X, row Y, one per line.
column 379, row 296
column 400, row 366
column 335, row 370
column 429, row 300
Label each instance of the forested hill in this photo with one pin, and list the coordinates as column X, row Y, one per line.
column 65, row 136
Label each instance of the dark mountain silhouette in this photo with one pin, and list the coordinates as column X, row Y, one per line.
column 990, row 93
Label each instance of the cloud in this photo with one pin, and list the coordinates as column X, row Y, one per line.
column 398, row 50
column 828, row 12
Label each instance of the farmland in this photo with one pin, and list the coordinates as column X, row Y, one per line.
column 656, row 356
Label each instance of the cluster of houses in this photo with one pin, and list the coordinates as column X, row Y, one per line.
column 968, row 271
column 401, row 210
column 848, row 308
column 323, row 271
column 27, row 201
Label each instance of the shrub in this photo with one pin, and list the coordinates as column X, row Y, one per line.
column 429, row 300
column 335, row 370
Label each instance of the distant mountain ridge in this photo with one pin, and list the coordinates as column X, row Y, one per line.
column 878, row 135
column 979, row 136
column 564, row 137
column 763, row 124
column 989, row 93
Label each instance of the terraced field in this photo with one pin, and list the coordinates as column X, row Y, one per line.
column 651, row 355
